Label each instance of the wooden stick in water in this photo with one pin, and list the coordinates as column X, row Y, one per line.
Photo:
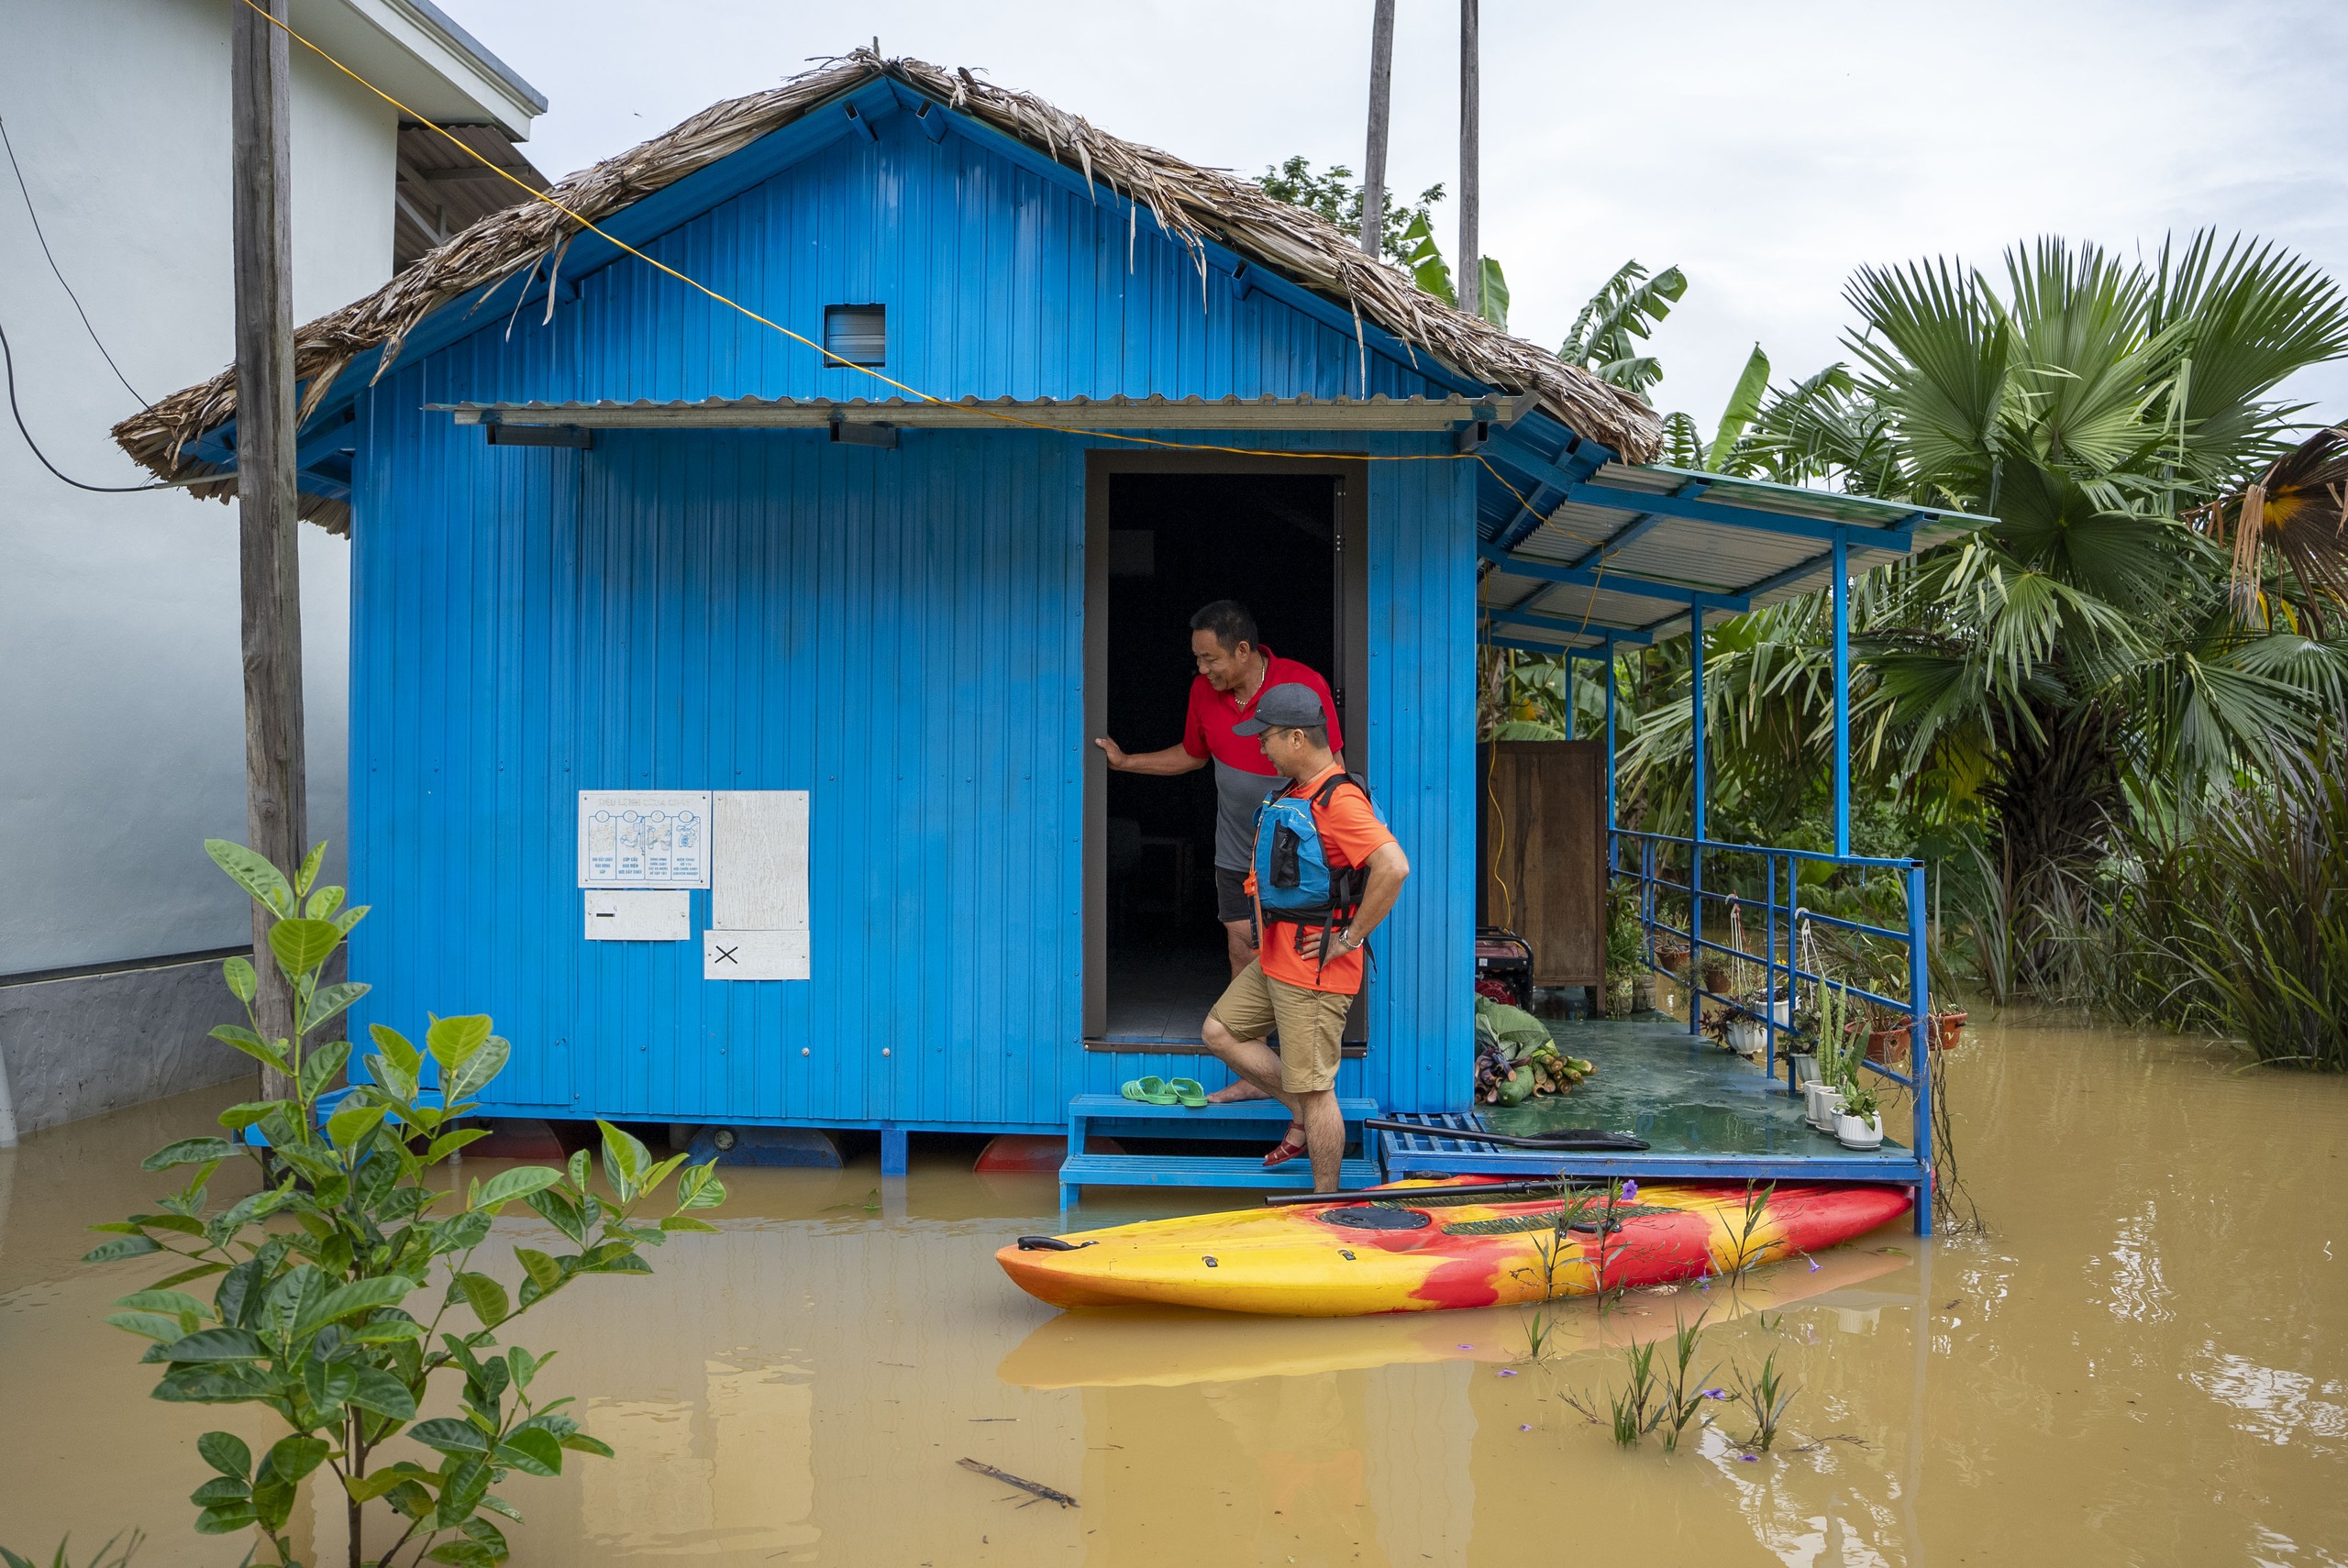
column 1037, row 1487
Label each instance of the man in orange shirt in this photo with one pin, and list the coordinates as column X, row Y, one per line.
column 1326, row 871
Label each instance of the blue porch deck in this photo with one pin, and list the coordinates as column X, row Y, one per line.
column 1705, row 1112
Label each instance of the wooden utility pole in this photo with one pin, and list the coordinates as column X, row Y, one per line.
column 1381, row 104
column 269, row 574
column 1471, row 264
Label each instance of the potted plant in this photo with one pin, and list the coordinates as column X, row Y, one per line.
column 1946, row 1026
column 1626, row 955
column 1858, row 1120
column 1888, row 1034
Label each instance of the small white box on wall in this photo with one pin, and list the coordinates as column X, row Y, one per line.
column 640, row 915
column 754, row 956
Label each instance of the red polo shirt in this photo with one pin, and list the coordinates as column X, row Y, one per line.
column 1206, row 728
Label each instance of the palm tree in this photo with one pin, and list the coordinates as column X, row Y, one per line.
column 2084, row 658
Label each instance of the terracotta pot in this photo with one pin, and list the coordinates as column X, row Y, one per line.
column 1715, row 976
column 1672, row 957
column 1946, row 1026
column 1882, row 1043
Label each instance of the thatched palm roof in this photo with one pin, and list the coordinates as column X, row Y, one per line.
column 1190, row 203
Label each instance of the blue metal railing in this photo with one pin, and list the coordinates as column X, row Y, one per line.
column 1781, row 904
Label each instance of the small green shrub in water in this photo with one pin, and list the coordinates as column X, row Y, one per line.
column 107, row 1556
column 1683, row 1391
column 310, row 1317
column 1767, row 1399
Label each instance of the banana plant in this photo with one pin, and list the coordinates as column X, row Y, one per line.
column 349, row 1288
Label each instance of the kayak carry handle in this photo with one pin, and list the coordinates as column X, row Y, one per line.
column 1051, row 1244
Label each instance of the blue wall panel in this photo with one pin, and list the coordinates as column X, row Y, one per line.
column 899, row 632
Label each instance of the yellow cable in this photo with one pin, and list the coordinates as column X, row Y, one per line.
column 592, row 227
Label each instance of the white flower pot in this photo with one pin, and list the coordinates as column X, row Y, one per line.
column 1747, row 1036
column 1856, row 1132
column 1805, row 1075
column 1824, row 1102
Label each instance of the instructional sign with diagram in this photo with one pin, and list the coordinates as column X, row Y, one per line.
column 644, row 838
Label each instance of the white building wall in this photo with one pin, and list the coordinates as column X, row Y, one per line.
column 121, row 695
column 121, row 692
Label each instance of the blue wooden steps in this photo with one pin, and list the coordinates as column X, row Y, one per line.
column 1252, row 1120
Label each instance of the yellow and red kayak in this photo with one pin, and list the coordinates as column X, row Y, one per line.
column 1378, row 1251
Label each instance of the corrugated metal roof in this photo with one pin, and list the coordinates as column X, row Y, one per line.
column 1377, row 411
column 1575, row 554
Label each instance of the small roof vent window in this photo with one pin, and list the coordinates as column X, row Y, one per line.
column 857, row 333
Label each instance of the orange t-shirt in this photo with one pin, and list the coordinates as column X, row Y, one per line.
column 1353, row 833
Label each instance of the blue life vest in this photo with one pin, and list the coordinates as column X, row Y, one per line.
column 1295, row 881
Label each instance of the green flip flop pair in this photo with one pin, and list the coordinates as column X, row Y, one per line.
column 1185, row 1092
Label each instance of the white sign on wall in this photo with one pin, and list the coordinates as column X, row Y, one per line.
column 638, row 914
column 757, row 893
column 644, row 838
column 754, row 956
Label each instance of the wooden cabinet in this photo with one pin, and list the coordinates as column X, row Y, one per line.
column 1541, row 848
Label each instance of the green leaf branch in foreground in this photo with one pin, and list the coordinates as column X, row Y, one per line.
column 349, row 1288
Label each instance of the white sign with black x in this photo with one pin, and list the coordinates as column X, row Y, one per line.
column 754, row 956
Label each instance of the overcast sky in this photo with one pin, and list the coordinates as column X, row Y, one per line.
column 1766, row 150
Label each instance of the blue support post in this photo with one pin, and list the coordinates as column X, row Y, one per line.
column 1612, row 851
column 1841, row 694
column 1793, row 946
column 1769, row 963
column 1696, row 819
column 1920, row 1046
column 893, row 1151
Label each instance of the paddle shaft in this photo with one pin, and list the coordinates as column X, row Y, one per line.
column 1570, row 1138
column 1497, row 1189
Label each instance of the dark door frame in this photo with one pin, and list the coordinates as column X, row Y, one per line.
column 1351, row 677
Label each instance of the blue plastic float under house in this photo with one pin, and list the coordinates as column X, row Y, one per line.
column 721, row 713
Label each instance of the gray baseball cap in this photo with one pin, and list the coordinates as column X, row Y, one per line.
column 1287, row 706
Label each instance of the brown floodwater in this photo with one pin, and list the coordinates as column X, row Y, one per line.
column 2139, row 1361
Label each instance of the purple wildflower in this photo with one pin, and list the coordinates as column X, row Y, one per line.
column 1506, row 1373
column 1749, row 1459
column 1466, row 1347
column 1813, row 1265
column 1630, row 1191
column 1715, row 1393
column 1527, row 1427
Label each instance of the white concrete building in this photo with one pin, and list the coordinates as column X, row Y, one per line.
column 121, row 695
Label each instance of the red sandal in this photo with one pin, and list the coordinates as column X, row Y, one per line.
column 1291, row 1147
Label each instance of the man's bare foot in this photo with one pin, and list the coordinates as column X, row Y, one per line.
column 1233, row 1092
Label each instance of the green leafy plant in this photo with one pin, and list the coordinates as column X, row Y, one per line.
column 315, row 1315
column 1638, row 1410
column 1766, row 1398
column 106, row 1556
column 1574, row 1206
column 1683, row 1392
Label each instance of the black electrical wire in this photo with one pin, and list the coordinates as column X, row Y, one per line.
column 10, row 148
column 8, row 359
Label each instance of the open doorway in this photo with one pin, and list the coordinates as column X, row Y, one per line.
column 1163, row 541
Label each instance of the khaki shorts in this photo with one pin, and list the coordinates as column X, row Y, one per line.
column 1311, row 1025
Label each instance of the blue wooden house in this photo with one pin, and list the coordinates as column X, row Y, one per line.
column 848, row 457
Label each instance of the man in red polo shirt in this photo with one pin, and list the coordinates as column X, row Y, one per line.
column 1234, row 670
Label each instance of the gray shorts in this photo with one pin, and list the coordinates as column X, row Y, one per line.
column 1231, row 899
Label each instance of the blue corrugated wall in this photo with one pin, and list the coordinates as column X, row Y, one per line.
column 899, row 632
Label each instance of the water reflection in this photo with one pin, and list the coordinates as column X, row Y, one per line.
column 2141, row 1363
